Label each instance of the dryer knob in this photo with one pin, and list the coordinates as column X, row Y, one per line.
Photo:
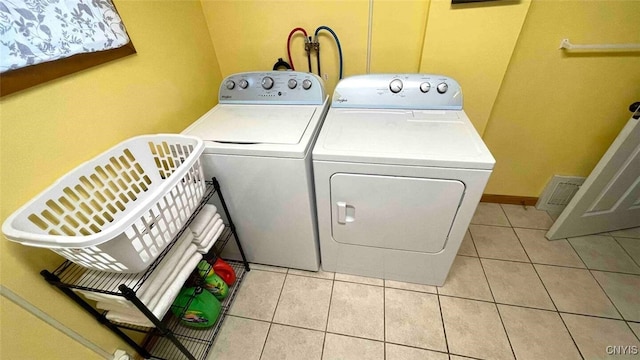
column 425, row 87
column 442, row 88
column 395, row 86
column 230, row 84
column 267, row 82
column 243, row 83
column 306, row 84
column 292, row 83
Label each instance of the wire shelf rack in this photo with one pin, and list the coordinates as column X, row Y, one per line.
column 169, row 339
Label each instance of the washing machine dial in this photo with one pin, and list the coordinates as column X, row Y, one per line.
column 292, row 83
column 425, row 87
column 395, row 86
column 243, row 83
column 230, row 84
column 267, row 82
column 306, row 84
column 442, row 88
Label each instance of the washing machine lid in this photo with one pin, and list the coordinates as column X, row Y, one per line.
column 254, row 124
column 442, row 138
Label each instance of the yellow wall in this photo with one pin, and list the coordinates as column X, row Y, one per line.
column 473, row 44
column 252, row 35
column 45, row 342
column 50, row 129
column 398, row 35
column 491, row 48
column 556, row 112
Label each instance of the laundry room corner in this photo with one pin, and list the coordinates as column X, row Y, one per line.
column 250, row 35
column 557, row 112
column 51, row 128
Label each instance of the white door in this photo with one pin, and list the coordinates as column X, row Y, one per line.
column 393, row 212
column 610, row 197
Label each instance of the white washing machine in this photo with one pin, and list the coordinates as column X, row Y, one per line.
column 399, row 170
column 258, row 145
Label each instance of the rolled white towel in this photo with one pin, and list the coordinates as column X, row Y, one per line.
column 137, row 318
column 172, row 292
column 131, row 319
column 166, row 267
column 199, row 224
column 205, row 249
column 152, row 298
column 172, row 277
column 206, row 239
column 200, row 238
column 128, row 308
column 105, row 281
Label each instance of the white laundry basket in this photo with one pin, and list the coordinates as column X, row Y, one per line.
column 118, row 211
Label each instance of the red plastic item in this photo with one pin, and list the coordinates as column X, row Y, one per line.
column 225, row 271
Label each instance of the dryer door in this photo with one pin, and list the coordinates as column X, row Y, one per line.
column 394, row 212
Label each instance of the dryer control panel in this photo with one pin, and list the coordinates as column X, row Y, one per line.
column 272, row 87
column 398, row 91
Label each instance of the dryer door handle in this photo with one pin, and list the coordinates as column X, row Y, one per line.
column 346, row 213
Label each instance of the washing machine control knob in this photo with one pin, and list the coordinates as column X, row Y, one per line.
column 292, row 83
column 230, row 84
column 395, row 86
column 243, row 83
column 425, row 87
column 306, row 84
column 267, row 82
column 442, row 88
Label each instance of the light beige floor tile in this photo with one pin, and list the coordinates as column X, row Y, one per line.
column 258, row 295
column 456, row 357
column 239, row 339
column 576, row 291
column 410, row 286
column 467, row 248
column 603, row 253
column 593, row 335
column 359, row 279
column 543, row 251
column 304, row 302
column 474, row 329
column 268, row 268
column 321, row 274
column 537, row 334
column 497, row 243
column 628, row 233
column 632, row 246
column 635, row 327
column 357, row 310
column 397, row 352
column 413, row 319
column 623, row 290
column 338, row 347
column 466, row 279
column 516, row 284
column 289, row 343
column 554, row 215
column 490, row 214
column 527, row 217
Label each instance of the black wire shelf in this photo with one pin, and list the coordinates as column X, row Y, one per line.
column 197, row 341
column 169, row 338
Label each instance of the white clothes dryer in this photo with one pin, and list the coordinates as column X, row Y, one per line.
column 399, row 170
column 258, row 145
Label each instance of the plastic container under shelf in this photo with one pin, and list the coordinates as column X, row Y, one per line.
column 118, row 211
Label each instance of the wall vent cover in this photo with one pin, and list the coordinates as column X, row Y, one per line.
column 558, row 192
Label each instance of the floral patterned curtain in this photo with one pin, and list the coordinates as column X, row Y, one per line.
column 36, row 31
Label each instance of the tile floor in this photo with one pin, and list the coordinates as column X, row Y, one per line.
column 511, row 294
